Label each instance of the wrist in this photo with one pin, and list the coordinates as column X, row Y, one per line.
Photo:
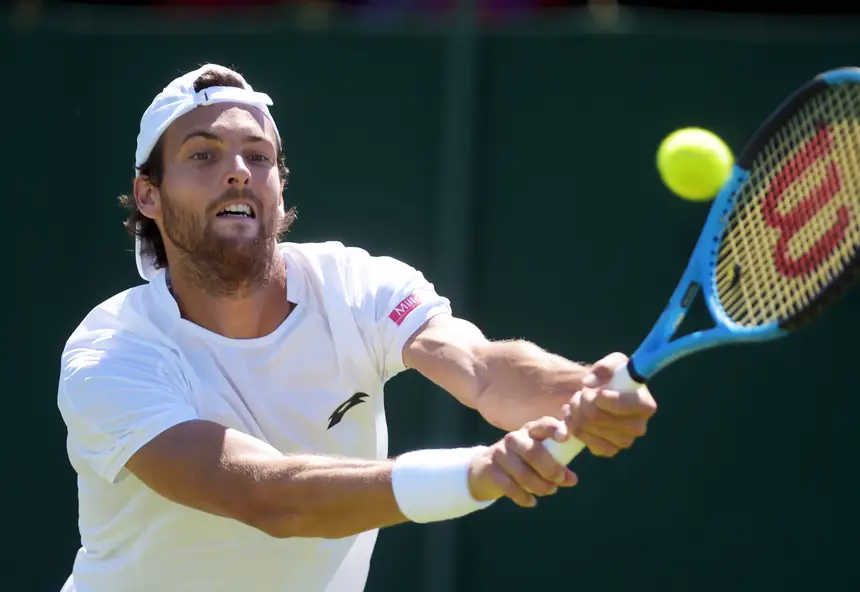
column 433, row 485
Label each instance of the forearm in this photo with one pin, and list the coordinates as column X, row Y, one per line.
column 522, row 382
column 319, row 497
column 209, row 467
column 214, row 469
column 509, row 382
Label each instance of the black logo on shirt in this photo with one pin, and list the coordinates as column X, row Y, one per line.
column 341, row 410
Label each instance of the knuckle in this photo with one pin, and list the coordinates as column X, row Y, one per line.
column 546, row 422
column 517, row 441
column 497, row 455
column 647, row 402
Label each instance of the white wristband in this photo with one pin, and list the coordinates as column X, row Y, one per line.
column 433, row 485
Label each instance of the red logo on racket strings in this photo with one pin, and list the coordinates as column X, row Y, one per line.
column 816, row 149
column 406, row 306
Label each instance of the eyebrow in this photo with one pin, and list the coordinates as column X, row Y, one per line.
column 249, row 139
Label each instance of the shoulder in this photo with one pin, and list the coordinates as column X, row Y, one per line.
column 327, row 253
column 349, row 269
column 128, row 328
column 349, row 260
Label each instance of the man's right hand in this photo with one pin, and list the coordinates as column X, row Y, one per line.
column 519, row 467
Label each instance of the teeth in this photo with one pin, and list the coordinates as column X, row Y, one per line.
column 238, row 209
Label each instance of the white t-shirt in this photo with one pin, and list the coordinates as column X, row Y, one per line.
column 134, row 368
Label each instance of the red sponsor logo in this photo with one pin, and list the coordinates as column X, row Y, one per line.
column 402, row 310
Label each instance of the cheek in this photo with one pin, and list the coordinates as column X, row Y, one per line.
column 271, row 187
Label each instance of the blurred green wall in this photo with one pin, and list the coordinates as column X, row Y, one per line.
column 515, row 169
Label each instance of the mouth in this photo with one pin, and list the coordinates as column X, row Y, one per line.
column 237, row 210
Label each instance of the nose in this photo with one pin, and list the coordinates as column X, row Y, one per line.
column 239, row 174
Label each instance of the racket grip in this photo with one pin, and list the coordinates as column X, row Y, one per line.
column 565, row 452
column 621, row 381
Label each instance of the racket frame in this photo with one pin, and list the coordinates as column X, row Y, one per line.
column 658, row 350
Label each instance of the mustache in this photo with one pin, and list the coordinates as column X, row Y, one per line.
column 237, row 194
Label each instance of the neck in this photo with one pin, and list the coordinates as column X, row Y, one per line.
column 245, row 314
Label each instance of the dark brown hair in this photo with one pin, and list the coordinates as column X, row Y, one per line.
column 153, row 169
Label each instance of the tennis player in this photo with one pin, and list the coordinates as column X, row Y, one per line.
column 226, row 418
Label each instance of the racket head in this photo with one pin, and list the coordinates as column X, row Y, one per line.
column 781, row 242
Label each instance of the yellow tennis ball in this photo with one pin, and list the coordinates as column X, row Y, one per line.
column 694, row 163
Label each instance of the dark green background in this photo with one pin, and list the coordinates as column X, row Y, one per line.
column 516, row 168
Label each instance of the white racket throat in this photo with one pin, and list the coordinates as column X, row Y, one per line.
column 565, row 452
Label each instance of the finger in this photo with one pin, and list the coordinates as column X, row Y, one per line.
column 538, row 458
column 599, row 420
column 587, row 432
column 604, row 369
column 638, row 404
column 547, row 427
column 518, row 464
column 621, row 432
column 599, row 446
column 510, row 489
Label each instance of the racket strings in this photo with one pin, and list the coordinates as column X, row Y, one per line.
column 794, row 230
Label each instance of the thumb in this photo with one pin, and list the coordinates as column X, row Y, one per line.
column 547, row 427
column 603, row 370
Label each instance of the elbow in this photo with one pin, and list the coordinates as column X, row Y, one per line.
column 284, row 522
column 260, row 508
column 276, row 524
column 289, row 525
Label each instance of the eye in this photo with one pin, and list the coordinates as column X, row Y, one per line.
column 202, row 156
column 259, row 158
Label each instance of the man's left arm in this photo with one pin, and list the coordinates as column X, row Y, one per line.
column 513, row 382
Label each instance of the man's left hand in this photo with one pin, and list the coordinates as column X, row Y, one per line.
column 608, row 421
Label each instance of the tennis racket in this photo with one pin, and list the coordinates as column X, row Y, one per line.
column 781, row 241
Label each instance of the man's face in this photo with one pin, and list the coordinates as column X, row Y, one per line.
column 219, row 203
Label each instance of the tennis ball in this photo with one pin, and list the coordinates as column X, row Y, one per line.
column 694, row 163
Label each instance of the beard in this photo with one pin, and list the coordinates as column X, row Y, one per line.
column 222, row 265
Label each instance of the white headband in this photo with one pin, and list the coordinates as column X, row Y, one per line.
column 177, row 99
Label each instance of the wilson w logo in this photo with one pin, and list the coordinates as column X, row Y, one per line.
column 817, row 196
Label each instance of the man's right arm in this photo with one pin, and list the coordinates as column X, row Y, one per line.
column 126, row 410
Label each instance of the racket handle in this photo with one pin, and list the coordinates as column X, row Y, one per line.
column 564, row 452
column 621, row 381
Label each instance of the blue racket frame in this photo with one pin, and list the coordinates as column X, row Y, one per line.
column 658, row 350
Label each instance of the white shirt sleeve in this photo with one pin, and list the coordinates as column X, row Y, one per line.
column 402, row 300
column 116, row 395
